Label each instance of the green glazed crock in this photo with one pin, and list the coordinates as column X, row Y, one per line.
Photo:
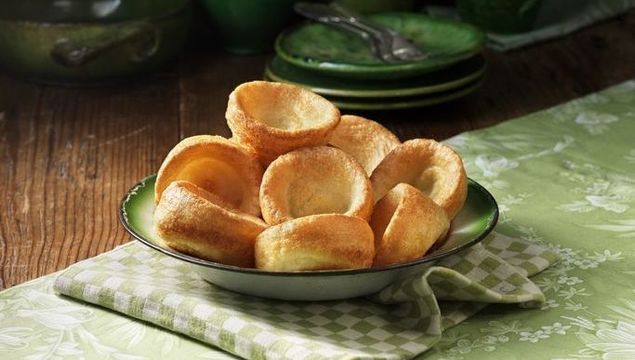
column 249, row 26
column 500, row 16
column 87, row 41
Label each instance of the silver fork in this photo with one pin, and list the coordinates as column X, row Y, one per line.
column 326, row 15
column 387, row 44
column 401, row 48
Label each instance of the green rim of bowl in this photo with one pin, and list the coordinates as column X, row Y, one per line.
column 475, row 221
column 453, row 77
column 327, row 50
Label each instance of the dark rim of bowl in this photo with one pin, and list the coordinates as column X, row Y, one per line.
column 218, row 266
column 169, row 13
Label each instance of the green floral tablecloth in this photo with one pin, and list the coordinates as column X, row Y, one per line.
column 564, row 179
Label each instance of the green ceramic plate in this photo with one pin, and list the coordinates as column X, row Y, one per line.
column 442, row 80
column 406, row 102
column 472, row 224
column 335, row 52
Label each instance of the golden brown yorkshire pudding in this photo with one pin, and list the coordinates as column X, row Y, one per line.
column 316, row 242
column 275, row 118
column 220, row 166
column 188, row 220
column 406, row 224
column 430, row 166
column 365, row 140
column 315, row 180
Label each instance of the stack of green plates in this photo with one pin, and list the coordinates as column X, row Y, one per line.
column 340, row 66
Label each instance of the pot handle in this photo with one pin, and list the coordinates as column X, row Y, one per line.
column 144, row 37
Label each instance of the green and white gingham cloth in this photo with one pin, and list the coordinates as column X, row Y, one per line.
column 402, row 321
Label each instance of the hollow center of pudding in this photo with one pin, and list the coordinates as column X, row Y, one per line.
column 383, row 214
column 429, row 180
column 286, row 109
column 216, row 177
column 315, row 192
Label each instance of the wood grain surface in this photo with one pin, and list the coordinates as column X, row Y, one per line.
column 68, row 155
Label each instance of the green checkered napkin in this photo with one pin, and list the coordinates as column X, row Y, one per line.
column 400, row 322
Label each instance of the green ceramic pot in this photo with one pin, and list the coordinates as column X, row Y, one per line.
column 84, row 41
column 500, row 16
column 249, row 26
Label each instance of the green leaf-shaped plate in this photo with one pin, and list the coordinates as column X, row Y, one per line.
column 473, row 223
column 449, row 78
column 327, row 50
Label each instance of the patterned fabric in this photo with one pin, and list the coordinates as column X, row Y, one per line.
column 398, row 323
column 564, row 179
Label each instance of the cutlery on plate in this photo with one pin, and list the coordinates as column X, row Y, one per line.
column 386, row 44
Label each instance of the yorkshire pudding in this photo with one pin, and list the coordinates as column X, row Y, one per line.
column 221, row 167
column 188, row 220
column 275, row 118
column 315, row 180
column 365, row 140
column 431, row 167
column 316, row 242
column 406, row 224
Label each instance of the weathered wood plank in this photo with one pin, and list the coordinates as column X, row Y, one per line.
column 69, row 155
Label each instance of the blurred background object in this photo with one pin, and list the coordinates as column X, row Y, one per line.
column 86, row 41
column 248, row 26
column 511, row 24
column 500, row 16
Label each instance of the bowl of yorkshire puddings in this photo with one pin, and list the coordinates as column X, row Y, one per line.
column 303, row 203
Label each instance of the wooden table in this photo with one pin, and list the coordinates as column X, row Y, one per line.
column 68, row 155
